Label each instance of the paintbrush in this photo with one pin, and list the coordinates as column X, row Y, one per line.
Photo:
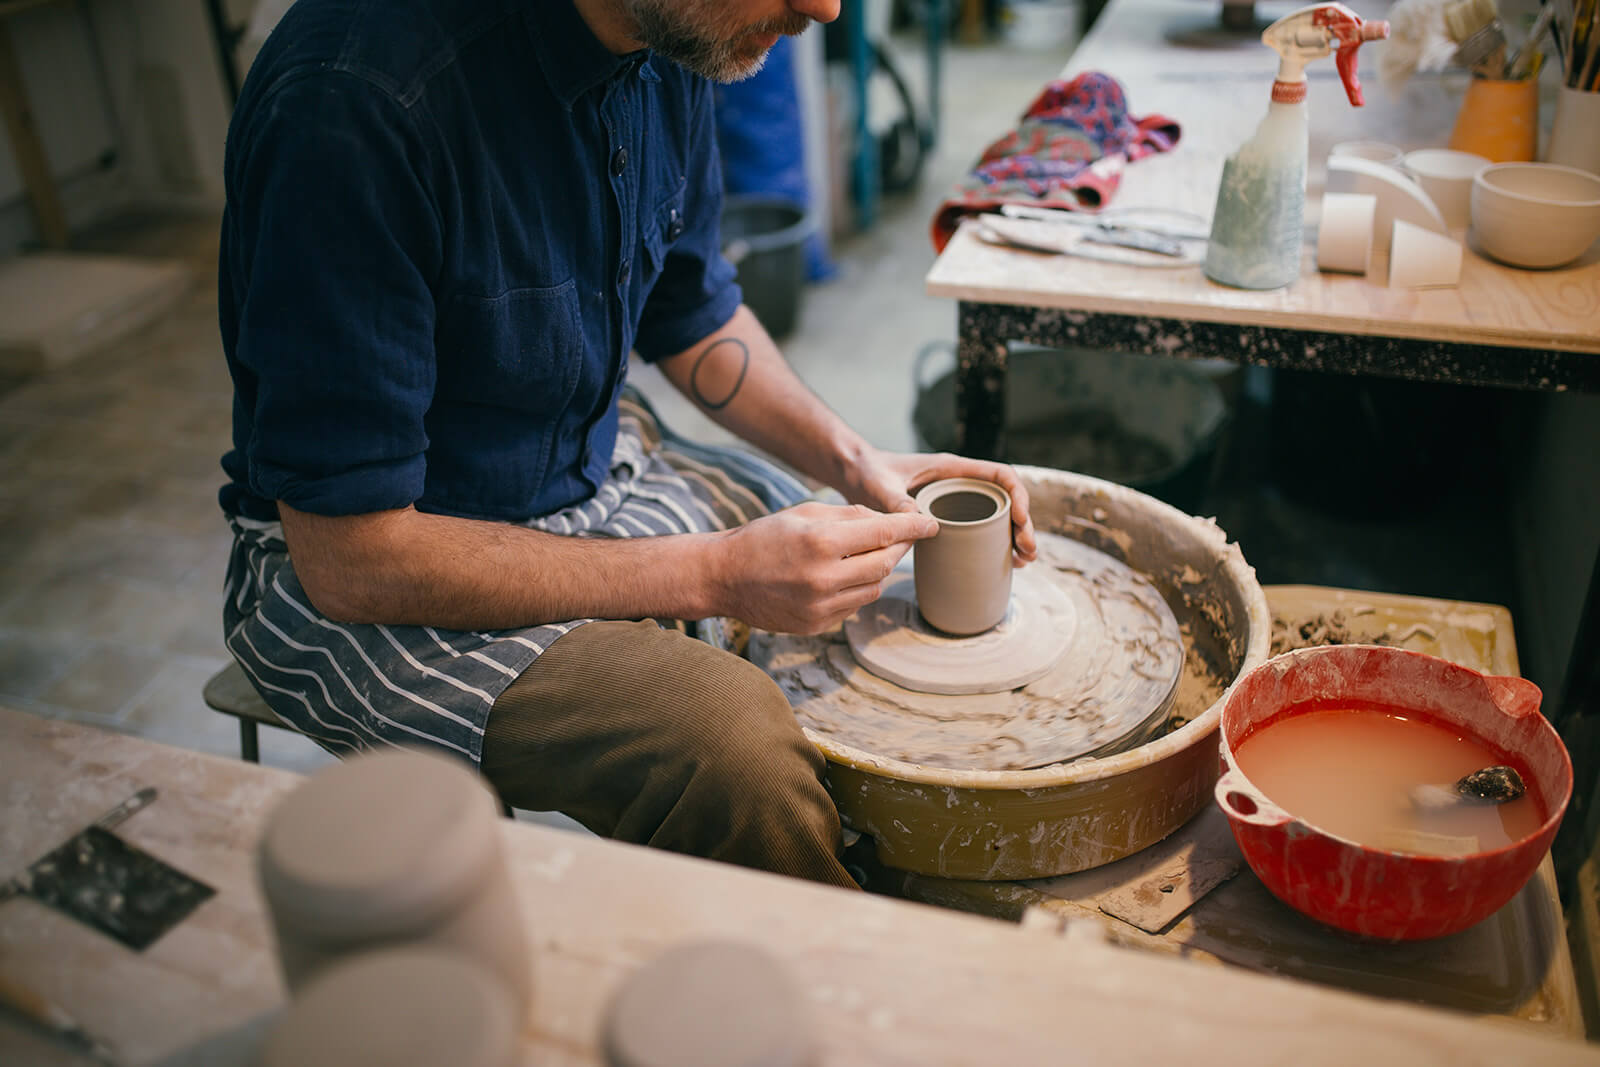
column 1480, row 42
column 1583, row 50
column 1521, row 62
column 52, row 1018
column 1418, row 41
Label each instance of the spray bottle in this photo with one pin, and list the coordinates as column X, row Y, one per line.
column 1256, row 230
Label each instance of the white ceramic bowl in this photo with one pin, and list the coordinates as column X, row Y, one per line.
column 1446, row 175
column 1535, row 214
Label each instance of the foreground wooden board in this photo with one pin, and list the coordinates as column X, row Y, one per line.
column 888, row 982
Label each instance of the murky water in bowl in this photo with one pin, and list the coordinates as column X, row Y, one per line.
column 1353, row 771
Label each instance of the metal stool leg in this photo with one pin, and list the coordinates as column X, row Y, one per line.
column 249, row 747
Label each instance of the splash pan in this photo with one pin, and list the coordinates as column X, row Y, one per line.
column 1036, row 822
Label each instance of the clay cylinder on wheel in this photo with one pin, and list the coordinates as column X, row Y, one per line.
column 963, row 573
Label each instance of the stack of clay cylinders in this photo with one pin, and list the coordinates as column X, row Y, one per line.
column 393, row 849
column 399, row 1007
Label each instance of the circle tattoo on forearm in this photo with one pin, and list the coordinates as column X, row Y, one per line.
column 702, row 360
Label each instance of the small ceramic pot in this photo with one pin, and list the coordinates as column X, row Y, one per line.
column 1377, row 151
column 1446, row 176
column 1422, row 259
column 388, row 849
column 1575, row 133
column 963, row 573
column 401, row 1007
column 1536, row 215
column 1344, row 236
column 1498, row 120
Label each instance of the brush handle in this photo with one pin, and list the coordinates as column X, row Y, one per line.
column 52, row 1017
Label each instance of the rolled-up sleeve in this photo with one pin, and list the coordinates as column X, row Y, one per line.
column 337, row 239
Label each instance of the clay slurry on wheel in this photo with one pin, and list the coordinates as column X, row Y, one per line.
column 1108, row 688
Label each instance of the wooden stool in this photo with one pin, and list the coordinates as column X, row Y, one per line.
column 231, row 692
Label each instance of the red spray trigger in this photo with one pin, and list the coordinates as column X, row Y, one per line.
column 1351, row 33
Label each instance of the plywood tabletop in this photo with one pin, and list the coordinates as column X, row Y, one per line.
column 1173, row 61
column 884, row 981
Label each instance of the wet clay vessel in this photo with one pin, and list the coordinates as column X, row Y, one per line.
column 963, row 574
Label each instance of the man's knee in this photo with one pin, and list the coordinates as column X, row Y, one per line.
column 633, row 700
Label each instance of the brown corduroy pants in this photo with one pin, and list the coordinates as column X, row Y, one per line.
column 649, row 736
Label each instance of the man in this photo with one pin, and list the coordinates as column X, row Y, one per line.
column 448, row 224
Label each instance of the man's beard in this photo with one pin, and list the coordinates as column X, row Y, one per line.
column 695, row 35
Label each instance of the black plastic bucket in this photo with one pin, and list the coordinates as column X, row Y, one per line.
column 764, row 237
column 1149, row 423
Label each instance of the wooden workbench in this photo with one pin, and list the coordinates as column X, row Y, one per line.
column 887, row 982
column 1501, row 326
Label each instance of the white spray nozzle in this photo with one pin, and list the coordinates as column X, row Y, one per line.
column 1316, row 31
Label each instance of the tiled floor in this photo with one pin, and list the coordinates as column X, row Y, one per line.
column 112, row 547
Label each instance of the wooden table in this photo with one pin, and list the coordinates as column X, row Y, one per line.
column 887, row 982
column 1501, row 326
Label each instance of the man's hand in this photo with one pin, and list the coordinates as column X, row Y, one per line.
column 887, row 481
column 805, row 569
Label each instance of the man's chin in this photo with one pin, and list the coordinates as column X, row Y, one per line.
column 735, row 68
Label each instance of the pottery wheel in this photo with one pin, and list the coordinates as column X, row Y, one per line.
column 1109, row 689
column 890, row 638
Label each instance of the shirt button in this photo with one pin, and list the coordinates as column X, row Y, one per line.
column 619, row 162
column 622, row 272
column 675, row 226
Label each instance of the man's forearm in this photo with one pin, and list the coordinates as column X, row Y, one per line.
column 738, row 378
column 410, row 568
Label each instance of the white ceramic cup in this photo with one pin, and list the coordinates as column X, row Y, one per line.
column 1446, row 176
column 963, row 573
column 1344, row 235
column 1575, row 131
column 1377, row 151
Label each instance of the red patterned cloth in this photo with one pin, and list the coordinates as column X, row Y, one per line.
column 1067, row 152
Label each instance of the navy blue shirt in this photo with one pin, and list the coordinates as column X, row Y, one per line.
column 447, row 224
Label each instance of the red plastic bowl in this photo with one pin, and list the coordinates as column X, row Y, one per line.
column 1370, row 891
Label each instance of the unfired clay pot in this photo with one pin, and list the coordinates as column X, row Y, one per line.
column 400, row 1007
column 387, row 849
column 963, row 573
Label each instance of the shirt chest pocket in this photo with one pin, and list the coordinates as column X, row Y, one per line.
column 521, row 350
column 663, row 226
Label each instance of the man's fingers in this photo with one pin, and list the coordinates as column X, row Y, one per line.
column 876, row 530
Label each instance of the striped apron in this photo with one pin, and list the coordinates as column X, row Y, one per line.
column 352, row 687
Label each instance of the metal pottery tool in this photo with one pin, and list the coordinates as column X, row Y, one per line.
column 1144, row 248
column 1162, row 222
column 19, row 883
column 102, row 881
column 1491, row 785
